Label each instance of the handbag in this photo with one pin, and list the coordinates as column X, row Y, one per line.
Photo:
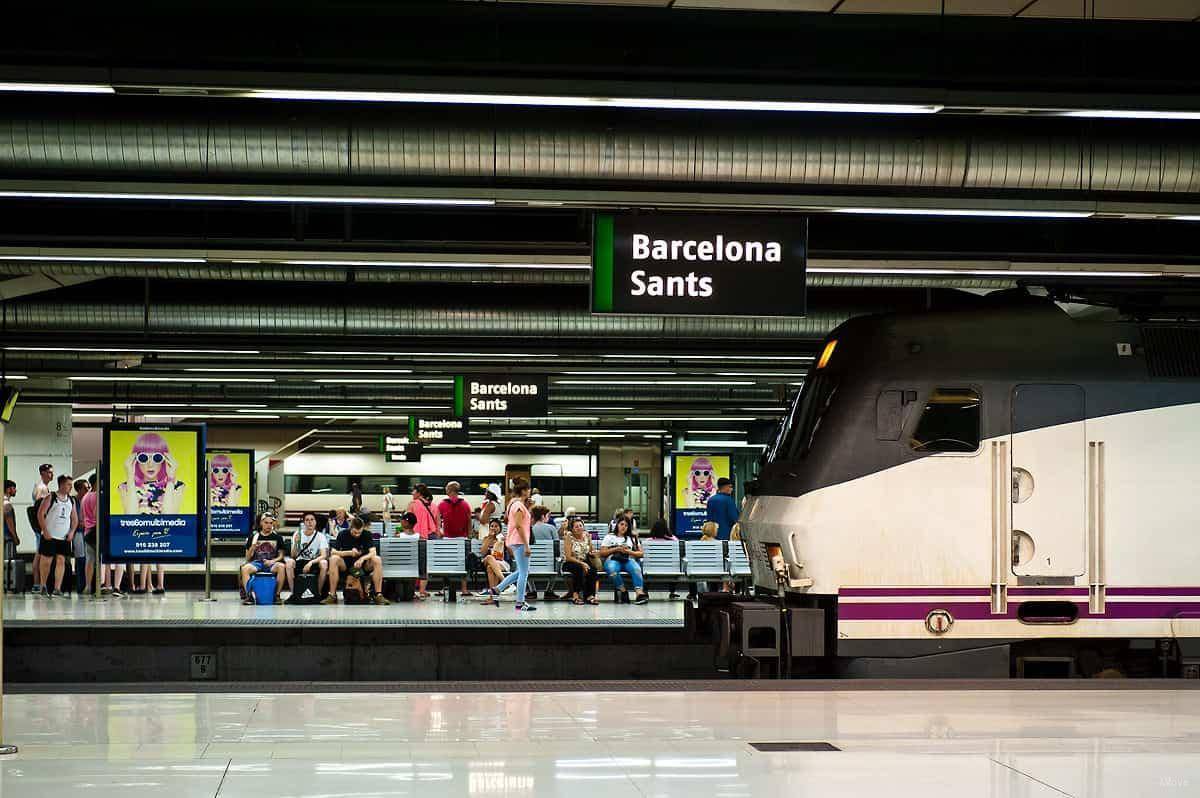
column 306, row 590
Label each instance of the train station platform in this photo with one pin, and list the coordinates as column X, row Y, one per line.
column 623, row 741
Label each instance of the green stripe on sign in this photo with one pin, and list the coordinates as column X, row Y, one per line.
column 458, row 396
column 602, row 265
column 412, row 428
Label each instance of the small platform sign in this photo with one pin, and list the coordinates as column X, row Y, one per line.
column 204, row 666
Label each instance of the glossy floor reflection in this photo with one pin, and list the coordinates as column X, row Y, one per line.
column 995, row 743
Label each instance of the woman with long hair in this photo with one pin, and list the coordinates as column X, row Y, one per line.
column 491, row 553
column 223, row 487
column 520, row 524
column 621, row 552
column 427, row 522
column 577, row 550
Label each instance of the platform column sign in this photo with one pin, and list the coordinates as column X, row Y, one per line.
column 231, row 492
column 694, row 478
column 501, row 395
column 699, row 264
column 399, row 449
column 152, row 494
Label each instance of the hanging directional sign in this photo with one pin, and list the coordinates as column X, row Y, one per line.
column 699, row 264
column 399, row 449
column 501, row 395
column 438, row 430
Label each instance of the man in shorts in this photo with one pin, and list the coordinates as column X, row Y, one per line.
column 264, row 554
column 41, row 489
column 354, row 552
column 58, row 519
column 11, row 538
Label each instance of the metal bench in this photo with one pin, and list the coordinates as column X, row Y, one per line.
column 739, row 562
column 401, row 558
column 543, row 561
column 704, row 558
column 661, row 558
column 446, row 557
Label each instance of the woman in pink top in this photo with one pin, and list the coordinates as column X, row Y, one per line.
column 422, row 507
column 519, row 524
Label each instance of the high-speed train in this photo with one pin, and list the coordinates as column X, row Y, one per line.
column 1007, row 479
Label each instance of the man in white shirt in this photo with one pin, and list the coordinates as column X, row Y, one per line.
column 310, row 550
column 58, row 520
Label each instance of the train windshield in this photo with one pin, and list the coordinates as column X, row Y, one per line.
column 804, row 419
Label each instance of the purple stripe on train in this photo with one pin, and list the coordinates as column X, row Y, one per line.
column 981, row 611
column 1053, row 590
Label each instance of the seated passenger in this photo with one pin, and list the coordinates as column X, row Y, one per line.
column 491, row 551
column 577, row 550
column 408, row 527
column 310, row 553
column 264, row 554
column 621, row 552
column 355, row 553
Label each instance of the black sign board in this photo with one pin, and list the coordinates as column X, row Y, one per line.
column 501, row 395
column 699, row 264
column 438, row 430
column 399, row 449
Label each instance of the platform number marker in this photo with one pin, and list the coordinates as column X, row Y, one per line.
column 204, row 666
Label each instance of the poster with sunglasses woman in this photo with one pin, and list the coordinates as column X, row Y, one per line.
column 231, row 491
column 152, row 496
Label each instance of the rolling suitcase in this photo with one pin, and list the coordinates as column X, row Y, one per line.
column 14, row 575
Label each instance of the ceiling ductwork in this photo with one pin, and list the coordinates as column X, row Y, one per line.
column 371, row 147
column 277, row 320
column 549, row 276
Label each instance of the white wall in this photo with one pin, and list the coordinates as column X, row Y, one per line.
column 38, row 434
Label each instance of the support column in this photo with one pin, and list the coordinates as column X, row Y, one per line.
column 4, row 747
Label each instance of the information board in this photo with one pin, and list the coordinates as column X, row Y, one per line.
column 699, row 264
column 399, row 449
column 694, row 477
column 151, row 490
column 231, row 492
column 501, row 395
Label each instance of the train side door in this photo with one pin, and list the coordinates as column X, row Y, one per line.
column 1049, row 480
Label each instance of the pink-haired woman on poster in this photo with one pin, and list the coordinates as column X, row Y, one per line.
column 150, row 488
column 223, row 487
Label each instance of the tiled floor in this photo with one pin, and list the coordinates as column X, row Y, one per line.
column 996, row 743
column 227, row 610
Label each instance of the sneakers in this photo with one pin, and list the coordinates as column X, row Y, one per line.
column 524, row 608
column 48, row 594
column 36, row 590
column 381, row 601
column 642, row 599
column 117, row 594
column 105, row 590
column 330, row 599
column 159, row 591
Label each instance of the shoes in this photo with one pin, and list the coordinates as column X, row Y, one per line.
column 35, row 590
column 642, row 599
column 381, row 601
column 624, row 596
column 330, row 599
column 524, row 608
column 46, row 593
column 550, row 595
column 158, row 591
column 104, row 591
column 117, row 594
column 247, row 602
column 279, row 600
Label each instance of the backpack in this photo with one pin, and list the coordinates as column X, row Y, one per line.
column 32, row 512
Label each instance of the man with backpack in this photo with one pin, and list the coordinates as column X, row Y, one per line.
column 355, row 552
column 41, row 489
column 58, row 520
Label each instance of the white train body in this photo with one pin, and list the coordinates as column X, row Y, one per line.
column 1071, row 513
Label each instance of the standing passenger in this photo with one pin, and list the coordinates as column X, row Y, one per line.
column 491, row 503
column 41, row 489
column 519, row 527
column 454, row 515
column 722, row 509
column 355, row 498
column 57, row 519
column 11, row 538
column 389, row 503
column 88, row 508
column 78, row 547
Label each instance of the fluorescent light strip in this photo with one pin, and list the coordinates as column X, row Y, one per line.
column 618, row 373
column 124, row 350
column 435, row 264
column 410, row 407
column 287, row 369
column 654, row 382
column 1122, row 113
column 1000, row 212
column 334, row 407
column 328, row 417
column 15, row 377
column 98, row 259
column 263, row 198
column 989, row 272
column 211, row 415
column 356, row 381
column 691, row 418
column 716, row 432
column 580, row 101
column 711, row 357
column 134, row 405
column 765, row 409
column 58, row 88
column 780, row 374
column 731, row 444
column 123, row 378
column 360, row 353
column 343, row 446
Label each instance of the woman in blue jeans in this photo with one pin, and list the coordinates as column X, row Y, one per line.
column 622, row 552
column 519, row 537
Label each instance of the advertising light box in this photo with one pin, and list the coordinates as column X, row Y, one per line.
column 231, row 492
column 152, row 493
column 501, row 395
column 698, row 264
column 695, row 481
